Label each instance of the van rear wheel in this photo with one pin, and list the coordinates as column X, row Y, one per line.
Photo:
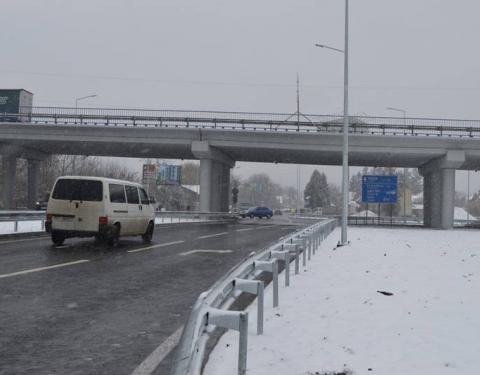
column 114, row 236
column 147, row 236
column 58, row 239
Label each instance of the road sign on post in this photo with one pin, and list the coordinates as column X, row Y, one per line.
column 379, row 189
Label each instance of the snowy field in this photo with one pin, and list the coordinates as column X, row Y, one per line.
column 333, row 320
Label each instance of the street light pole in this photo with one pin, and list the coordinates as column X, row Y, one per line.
column 468, row 196
column 74, row 164
column 404, row 112
column 81, row 98
column 346, row 120
column 344, row 239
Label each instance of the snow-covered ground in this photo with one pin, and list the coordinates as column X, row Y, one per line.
column 365, row 213
column 461, row 214
column 332, row 318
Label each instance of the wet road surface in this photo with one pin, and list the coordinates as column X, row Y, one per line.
column 84, row 308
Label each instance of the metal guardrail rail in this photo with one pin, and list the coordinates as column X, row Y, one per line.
column 194, row 216
column 275, row 122
column 166, row 217
column 210, row 308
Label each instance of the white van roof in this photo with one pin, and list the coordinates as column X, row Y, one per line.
column 107, row 180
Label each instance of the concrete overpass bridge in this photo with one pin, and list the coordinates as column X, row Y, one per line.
column 437, row 147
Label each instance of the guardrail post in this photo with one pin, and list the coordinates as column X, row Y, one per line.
column 272, row 267
column 257, row 288
column 314, row 241
column 294, row 249
column 15, row 226
column 301, row 243
column 238, row 321
column 308, row 244
column 285, row 256
column 43, row 225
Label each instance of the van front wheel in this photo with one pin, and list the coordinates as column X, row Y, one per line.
column 147, row 236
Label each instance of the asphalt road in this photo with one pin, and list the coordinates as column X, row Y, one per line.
column 103, row 310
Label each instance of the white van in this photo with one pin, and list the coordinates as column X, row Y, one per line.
column 100, row 207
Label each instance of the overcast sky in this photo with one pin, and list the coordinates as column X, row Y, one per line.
column 421, row 56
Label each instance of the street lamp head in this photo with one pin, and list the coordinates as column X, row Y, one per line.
column 398, row 110
column 86, row 97
column 328, row 47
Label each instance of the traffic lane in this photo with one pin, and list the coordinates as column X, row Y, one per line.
column 107, row 315
column 111, row 314
column 24, row 255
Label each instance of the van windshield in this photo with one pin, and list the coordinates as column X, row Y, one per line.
column 78, row 190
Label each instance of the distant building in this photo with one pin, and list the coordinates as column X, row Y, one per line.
column 194, row 188
column 176, row 198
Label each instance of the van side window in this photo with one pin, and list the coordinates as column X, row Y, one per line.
column 132, row 194
column 143, row 196
column 117, row 193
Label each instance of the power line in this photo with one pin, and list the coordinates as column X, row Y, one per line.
column 232, row 83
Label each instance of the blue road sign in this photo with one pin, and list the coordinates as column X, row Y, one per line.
column 379, row 189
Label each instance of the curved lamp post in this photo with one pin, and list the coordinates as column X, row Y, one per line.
column 344, row 240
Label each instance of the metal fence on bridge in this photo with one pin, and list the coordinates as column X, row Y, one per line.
column 249, row 121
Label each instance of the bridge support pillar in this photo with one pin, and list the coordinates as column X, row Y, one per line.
column 9, row 175
column 439, row 189
column 33, row 170
column 214, row 177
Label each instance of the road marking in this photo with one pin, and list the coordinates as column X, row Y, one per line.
column 25, row 239
column 244, row 230
column 44, row 268
column 265, row 226
column 155, row 246
column 205, row 251
column 158, row 355
column 212, row 235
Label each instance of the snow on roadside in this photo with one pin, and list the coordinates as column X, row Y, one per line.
column 27, row 226
column 332, row 318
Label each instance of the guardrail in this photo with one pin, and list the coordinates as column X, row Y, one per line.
column 277, row 122
column 162, row 217
column 382, row 220
column 399, row 221
column 191, row 216
column 210, row 309
column 18, row 217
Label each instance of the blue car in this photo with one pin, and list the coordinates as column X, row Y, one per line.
column 259, row 212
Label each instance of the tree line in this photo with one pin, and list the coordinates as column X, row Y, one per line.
column 62, row 165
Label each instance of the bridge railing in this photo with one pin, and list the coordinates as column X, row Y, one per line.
column 250, row 121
